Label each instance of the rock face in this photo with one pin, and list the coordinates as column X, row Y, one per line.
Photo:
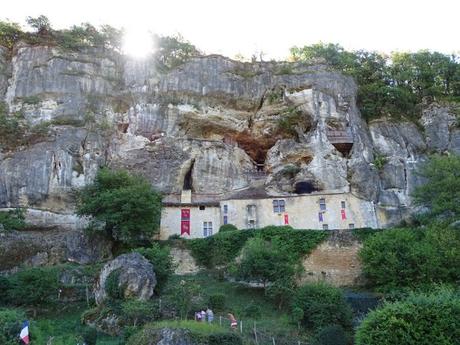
column 136, row 277
column 207, row 125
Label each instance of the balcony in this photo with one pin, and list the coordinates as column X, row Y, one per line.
column 341, row 139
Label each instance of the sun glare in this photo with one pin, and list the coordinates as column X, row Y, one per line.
column 137, row 43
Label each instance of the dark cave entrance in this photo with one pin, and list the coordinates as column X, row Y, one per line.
column 305, row 187
column 188, row 179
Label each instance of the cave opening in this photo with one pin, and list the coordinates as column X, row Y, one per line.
column 305, row 187
column 188, row 179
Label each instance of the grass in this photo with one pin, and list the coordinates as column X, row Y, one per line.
column 203, row 328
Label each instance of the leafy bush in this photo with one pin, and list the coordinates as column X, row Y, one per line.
column 10, row 325
column 397, row 258
column 227, row 227
column 225, row 339
column 252, row 310
column 137, row 312
column 217, row 301
column 34, row 286
column 319, row 305
column 12, row 219
column 173, row 51
column 162, row 262
column 123, row 206
column 441, row 191
column 4, row 287
column 89, row 336
column 112, row 286
column 331, row 335
column 418, row 320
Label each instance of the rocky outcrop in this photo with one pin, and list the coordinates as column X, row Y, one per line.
column 136, row 277
column 209, row 124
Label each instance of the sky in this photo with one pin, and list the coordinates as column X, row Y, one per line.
column 249, row 27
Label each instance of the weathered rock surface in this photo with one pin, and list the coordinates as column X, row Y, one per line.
column 205, row 124
column 136, row 277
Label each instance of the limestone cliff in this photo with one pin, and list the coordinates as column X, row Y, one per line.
column 209, row 124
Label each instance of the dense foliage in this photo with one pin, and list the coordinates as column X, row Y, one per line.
column 440, row 193
column 12, row 220
column 123, row 206
column 331, row 335
column 222, row 248
column 399, row 258
column 320, row 305
column 162, row 262
column 418, row 320
column 173, row 51
column 391, row 85
column 10, row 325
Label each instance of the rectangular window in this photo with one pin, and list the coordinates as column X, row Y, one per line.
column 343, row 204
column 202, row 208
column 252, row 224
column 207, row 229
column 279, row 206
column 351, row 226
column 325, row 227
column 322, row 204
column 225, row 209
column 225, row 220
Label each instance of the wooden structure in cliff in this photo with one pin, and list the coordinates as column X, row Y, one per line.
column 341, row 139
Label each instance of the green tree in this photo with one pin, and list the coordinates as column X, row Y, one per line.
column 12, row 219
column 162, row 262
column 421, row 319
column 10, row 325
column 40, row 24
column 137, row 312
column 441, row 191
column 10, row 33
column 173, row 51
column 319, row 305
column 123, row 206
column 183, row 295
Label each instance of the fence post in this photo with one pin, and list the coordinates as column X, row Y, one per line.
column 241, row 326
column 255, row 334
column 220, row 321
column 273, row 339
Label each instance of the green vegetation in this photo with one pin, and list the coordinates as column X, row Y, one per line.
column 410, row 258
column 173, row 51
column 217, row 301
column 112, row 286
column 391, row 85
column 124, row 207
column 320, row 305
column 379, row 161
column 441, row 191
column 331, row 335
column 227, row 227
column 10, row 325
column 136, row 312
column 162, row 262
column 292, row 119
column 222, row 248
column 421, row 319
column 12, row 220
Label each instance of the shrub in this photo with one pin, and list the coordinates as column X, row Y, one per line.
column 10, row 325
column 89, row 336
column 162, row 262
column 418, row 320
column 252, row 310
column 12, row 220
column 399, row 258
column 10, row 33
column 225, row 339
column 4, row 287
column 137, row 312
column 112, row 285
column 34, row 286
column 123, row 206
column 217, row 302
column 320, row 305
column 331, row 335
column 227, row 227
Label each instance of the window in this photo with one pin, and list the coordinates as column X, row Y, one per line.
column 343, row 204
column 322, row 204
column 252, row 224
column 351, row 226
column 202, row 208
column 225, row 209
column 207, row 229
column 225, row 219
column 279, row 206
column 325, row 227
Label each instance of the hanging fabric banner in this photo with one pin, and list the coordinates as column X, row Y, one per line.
column 344, row 216
column 320, row 216
column 286, row 219
column 185, row 221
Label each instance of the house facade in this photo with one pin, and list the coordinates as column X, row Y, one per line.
column 195, row 216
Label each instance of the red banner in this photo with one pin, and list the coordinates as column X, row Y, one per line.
column 344, row 216
column 185, row 227
column 286, row 219
column 185, row 214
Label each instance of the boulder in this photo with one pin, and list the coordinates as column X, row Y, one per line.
column 136, row 278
